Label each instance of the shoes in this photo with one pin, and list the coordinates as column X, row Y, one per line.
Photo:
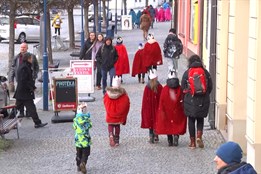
column 111, row 139
column 98, row 88
column 40, row 125
column 176, row 140
column 83, row 168
column 156, row 138
column 139, row 80
column 142, row 81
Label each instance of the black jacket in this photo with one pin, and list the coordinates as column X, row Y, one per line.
column 25, row 83
column 237, row 168
column 107, row 57
column 196, row 106
column 84, row 54
column 171, row 44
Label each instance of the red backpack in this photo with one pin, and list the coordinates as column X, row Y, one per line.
column 197, row 81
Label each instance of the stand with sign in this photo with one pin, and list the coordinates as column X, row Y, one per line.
column 65, row 98
column 83, row 70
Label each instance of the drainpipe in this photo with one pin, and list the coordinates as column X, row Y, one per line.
column 212, row 62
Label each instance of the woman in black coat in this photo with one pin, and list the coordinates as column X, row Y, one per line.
column 196, row 106
column 24, row 93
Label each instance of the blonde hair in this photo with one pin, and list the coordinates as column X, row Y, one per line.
column 154, row 84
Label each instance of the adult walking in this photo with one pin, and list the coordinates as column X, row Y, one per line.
column 86, row 50
column 24, row 93
column 145, row 22
column 196, row 104
column 133, row 17
column 17, row 61
column 57, row 21
column 152, row 14
column 107, row 57
column 98, row 44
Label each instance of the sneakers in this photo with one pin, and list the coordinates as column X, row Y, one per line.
column 111, row 139
column 83, row 167
column 40, row 125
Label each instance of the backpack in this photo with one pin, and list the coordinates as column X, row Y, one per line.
column 197, row 81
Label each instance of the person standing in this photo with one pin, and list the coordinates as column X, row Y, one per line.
column 150, row 104
column 117, row 105
column 82, row 124
column 57, row 21
column 24, row 93
column 152, row 53
column 107, row 57
column 98, row 44
column 170, row 119
column 86, row 50
column 137, row 67
column 152, row 14
column 172, row 48
column 133, row 17
column 196, row 106
column 145, row 22
column 137, row 22
column 228, row 160
column 17, row 61
column 122, row 65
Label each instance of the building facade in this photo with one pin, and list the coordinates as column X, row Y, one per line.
column 227, row 35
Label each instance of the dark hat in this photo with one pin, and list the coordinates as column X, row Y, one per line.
column 230, row 152
column 119, row 40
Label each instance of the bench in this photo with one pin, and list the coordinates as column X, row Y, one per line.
column 7, row 124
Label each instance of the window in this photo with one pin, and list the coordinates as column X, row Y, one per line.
column 193, row 33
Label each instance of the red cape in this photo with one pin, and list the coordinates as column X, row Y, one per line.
column 122, row 65
column 152, row 54
column 137, row 67
column 170, row 118
column 116, row 109
column 150, row 103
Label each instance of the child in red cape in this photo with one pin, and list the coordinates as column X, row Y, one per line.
column 117, row 105
column 170, row 119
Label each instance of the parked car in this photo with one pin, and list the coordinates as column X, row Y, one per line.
column 26, row 29
column 4, row 95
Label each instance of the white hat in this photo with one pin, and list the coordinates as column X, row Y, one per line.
column 119, row 40
column 82, row 108
column 150, row 36
column 116, row 81
column 152, row 73
column 171, row 74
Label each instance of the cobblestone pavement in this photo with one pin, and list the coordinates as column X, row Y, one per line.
column 51, row 149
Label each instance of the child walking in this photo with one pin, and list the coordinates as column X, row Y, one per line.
column 117, row 105
column 170, row 119
column 150, row 103
column 81, row 124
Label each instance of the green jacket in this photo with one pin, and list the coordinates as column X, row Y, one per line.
column 81, row 124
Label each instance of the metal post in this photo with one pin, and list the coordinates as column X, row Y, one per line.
column 116, row 17
column 173, row 12
column 82, row 27
column 107, row 22
column 100, row 17
column 94, row 16
column 45, row 62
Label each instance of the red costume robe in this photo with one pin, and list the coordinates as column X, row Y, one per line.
column 122, row 65
column 137, row 67
column 150, row 103
column 117, row 105
column 152, row 54
column 170, row 118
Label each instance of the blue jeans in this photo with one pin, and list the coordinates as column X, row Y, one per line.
column 104, row 78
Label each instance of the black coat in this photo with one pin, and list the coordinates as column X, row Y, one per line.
column 86, row 47
column 107, row 57
column 25, row 83
column 196, row 106
column 171, row 45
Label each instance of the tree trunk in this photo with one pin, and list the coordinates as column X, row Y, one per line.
column 12, row 34
column 49, row 37
column 104, row 14
column 146, row 3
column 96, row 14
column 86, row 21
column 125, row 7
column 71, row 27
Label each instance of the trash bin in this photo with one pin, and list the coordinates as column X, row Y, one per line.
column 110, row 31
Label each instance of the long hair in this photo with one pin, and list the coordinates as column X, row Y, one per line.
column 154, row 84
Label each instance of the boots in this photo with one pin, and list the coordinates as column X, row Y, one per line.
column 156, row 138
column 176, row 140
column 117, row 140
column 192, row 144
column 170, row 140
column 199, row 139
column 151, row 138
column 142, row 80
column 139, row 79
column 111, row 140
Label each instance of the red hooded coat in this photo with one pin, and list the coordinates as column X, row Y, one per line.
column 137, row 67
column 150, row 103
column 170, row 118
column 122, row 65
column 152, row 54
column 117, row 105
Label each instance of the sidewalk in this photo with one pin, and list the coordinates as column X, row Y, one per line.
column 51, row 149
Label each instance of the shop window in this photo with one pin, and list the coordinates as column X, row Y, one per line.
column 193, row 34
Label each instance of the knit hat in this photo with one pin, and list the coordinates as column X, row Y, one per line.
column 150, row 36
column 140, row 46
column 171, row 74
column 119, row 40
column 82, row 108
column 116, row 82
column 152, row 73
column 230, row 152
